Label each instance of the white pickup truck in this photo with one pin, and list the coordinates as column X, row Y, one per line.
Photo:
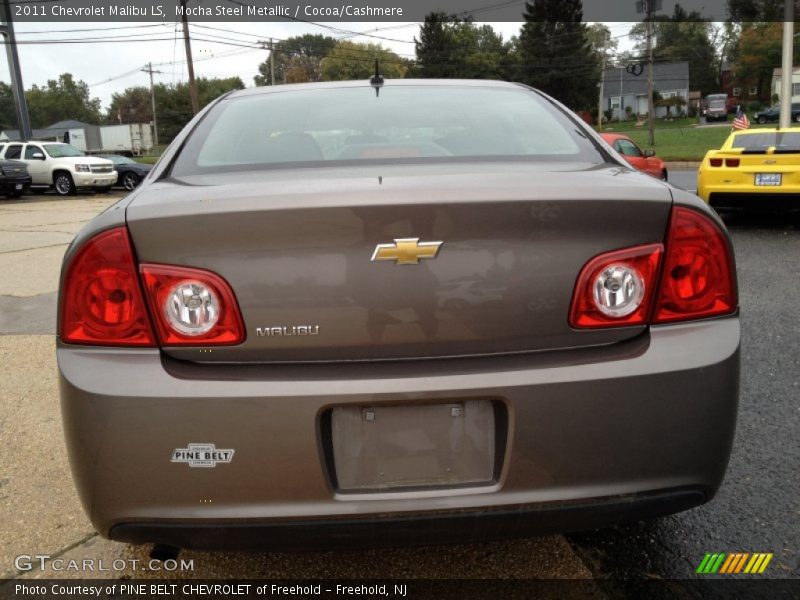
column 62, row 167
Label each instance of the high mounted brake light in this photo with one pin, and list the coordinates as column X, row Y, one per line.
column 690, row 277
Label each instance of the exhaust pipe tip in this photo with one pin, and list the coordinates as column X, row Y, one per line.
column 162, row 552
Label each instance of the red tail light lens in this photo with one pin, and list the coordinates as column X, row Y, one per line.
column 695, row 269
column 715, row 162
column 616, row 288
column 102, row 303
column 192, row 307
column 731, row 162
column 698, row 279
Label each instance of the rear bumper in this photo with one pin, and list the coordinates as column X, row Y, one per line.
column 595, row 437
column 9, row 185
column 425, row 529
column 774, row 201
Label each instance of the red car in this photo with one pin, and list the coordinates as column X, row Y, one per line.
column 640, row 160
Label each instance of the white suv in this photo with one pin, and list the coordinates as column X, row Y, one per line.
column 62, row 167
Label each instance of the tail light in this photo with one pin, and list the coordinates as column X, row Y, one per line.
column 690, row 277
column 102, row 302
column 698, row 276
column 616, row 288
column 715, row 162
column 192, row 307
column 731, row 162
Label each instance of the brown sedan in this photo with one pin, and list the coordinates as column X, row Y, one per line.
column 390, row 312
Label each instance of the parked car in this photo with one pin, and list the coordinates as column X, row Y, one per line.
column 130, row 172
column 754, row 168
column 62, row 167
column 14, row 178
column 773, row 114
column 641, row 160
column 204, row 407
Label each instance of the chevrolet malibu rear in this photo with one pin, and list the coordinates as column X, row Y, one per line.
column 364, row 314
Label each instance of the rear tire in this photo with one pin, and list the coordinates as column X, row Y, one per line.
column 762, row 120
column 63, row 184
column 797, row 118
column 130, row 181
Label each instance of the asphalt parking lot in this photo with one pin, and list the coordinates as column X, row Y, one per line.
column 757, row 509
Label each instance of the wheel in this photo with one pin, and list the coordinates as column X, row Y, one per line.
column 762, row 120
column 130, row 181
column 63, row 184
column 663, row 175
column 103, row 190
column 797, row 118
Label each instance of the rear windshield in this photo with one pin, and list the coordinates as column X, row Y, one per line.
column 401, row 124
column 756, row 143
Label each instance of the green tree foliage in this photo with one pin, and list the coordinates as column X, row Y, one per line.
column 297, row 59
column 174, row 106
column 555, row 54
column 8, row 116
column 684, row 36
column 61, row 99
column 452, row 47
column 601, row 41
column 131, row 106
column 352, row 60
column 757, row 52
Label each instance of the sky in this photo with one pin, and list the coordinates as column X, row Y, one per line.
column 219, row 49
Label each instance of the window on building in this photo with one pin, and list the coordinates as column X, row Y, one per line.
column 753, row 91
column 796, row 89
column 737, row 92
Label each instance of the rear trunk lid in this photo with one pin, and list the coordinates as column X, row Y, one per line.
column 296, row 247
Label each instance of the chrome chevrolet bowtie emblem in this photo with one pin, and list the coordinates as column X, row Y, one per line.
column 406, row 251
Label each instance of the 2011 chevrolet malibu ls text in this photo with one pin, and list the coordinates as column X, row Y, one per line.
column 377, row 313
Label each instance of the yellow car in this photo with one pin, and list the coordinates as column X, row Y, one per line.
column 755, row 168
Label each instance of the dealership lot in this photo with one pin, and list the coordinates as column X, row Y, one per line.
column 756, row 510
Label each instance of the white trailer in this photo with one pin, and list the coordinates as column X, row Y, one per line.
column 134, row 138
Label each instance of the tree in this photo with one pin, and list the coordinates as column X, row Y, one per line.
column 452, row 47
column 684, row 36
column 174, row 106
column 62, row 99
column 757, row 53
column 8, row 116
column 353, row 60
column 555, row 54
column 297, row 59
column 599, row 37
column 131, row 106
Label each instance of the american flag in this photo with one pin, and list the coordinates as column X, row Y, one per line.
column 740, row 121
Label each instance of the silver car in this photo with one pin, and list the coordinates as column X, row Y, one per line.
column 254, row 351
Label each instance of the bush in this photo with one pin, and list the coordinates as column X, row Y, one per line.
column 754, row 106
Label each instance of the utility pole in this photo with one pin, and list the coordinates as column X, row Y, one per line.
column 150, row 70
column 600, row 98
column 269, row 46
column 786, row 64
column 187, row 43
column 650, row 107
column 17, row 89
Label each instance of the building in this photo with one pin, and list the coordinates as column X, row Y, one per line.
column 626, row 94
column 83, row 136
column 775, row 88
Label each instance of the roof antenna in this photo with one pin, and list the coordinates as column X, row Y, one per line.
column 377, row 80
